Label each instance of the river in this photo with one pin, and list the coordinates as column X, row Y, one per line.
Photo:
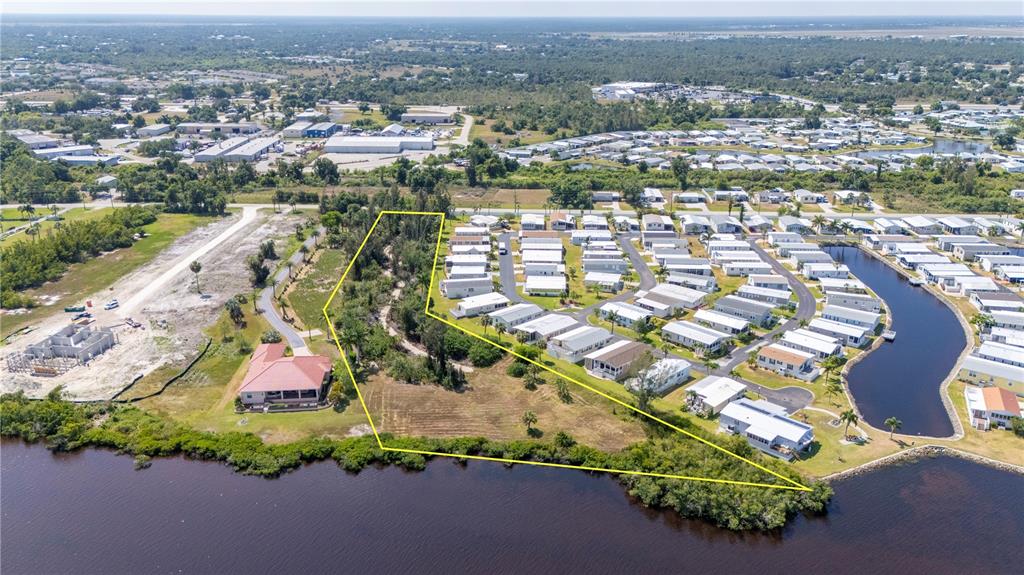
column 903, row 378
column 91, row 512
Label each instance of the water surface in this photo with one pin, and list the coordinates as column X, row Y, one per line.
column 903, row 378
column 90, row 512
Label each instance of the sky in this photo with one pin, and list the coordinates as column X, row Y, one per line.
column 524, row 8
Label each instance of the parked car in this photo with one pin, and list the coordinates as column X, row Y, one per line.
column 111, row 304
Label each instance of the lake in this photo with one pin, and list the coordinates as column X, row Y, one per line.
column 91, row 512
column 903, row 378
column 938, row 146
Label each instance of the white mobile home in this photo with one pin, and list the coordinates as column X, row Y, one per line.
column 479, row 304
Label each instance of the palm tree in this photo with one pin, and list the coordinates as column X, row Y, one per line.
column 33, row 230
column 1020, row 228
column 27, row 209
column 195, row 267
column 613, row 318
column 848, row 417
column 316, row 236
column 529, row 420
column 893, row 424
column 832, row 389
column 501, row 329
column 283, row 303
column 486, row 322
column 709, row 364
column 819, row 222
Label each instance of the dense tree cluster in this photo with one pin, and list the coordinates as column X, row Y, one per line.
column 29, row 264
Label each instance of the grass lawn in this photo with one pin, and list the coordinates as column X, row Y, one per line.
column 311, row 289
column 84, row 279
column 769, row 379
column 482, row 129
column 46, row 226
column 205, row 397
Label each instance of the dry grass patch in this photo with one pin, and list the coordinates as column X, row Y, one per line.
column 493, row 406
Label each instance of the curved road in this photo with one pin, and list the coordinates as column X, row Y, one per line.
column 270, row 313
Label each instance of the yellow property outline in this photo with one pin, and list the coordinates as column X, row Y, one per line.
column 793, row 485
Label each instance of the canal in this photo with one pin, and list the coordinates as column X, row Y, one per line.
column 903, row 378
column 90, row 512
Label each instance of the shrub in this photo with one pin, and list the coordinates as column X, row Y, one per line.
column 484, row 354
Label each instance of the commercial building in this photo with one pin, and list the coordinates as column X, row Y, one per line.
column 152, row 130
column 209, row 128
column 250, row 151
column 429, row 118
column 218, row 149
column 274, row 380
column 63, row 151
column 766, row 427
column 377, row 144
column 296, row 130
column 320, row 130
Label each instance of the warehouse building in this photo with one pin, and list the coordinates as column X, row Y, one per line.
column 431, row 118
column 377, row 144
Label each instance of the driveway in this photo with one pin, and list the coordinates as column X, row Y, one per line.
column 507, row 269
column 270, row 313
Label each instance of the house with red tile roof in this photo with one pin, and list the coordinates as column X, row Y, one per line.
column 276, row 380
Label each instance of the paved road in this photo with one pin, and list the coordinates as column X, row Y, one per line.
column 271, row 314
column 647, row 279
column 181, row 266
column 507, row 270
column 806, row 307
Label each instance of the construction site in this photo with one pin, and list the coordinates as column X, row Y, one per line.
column 57, row 354
column 160, row 319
